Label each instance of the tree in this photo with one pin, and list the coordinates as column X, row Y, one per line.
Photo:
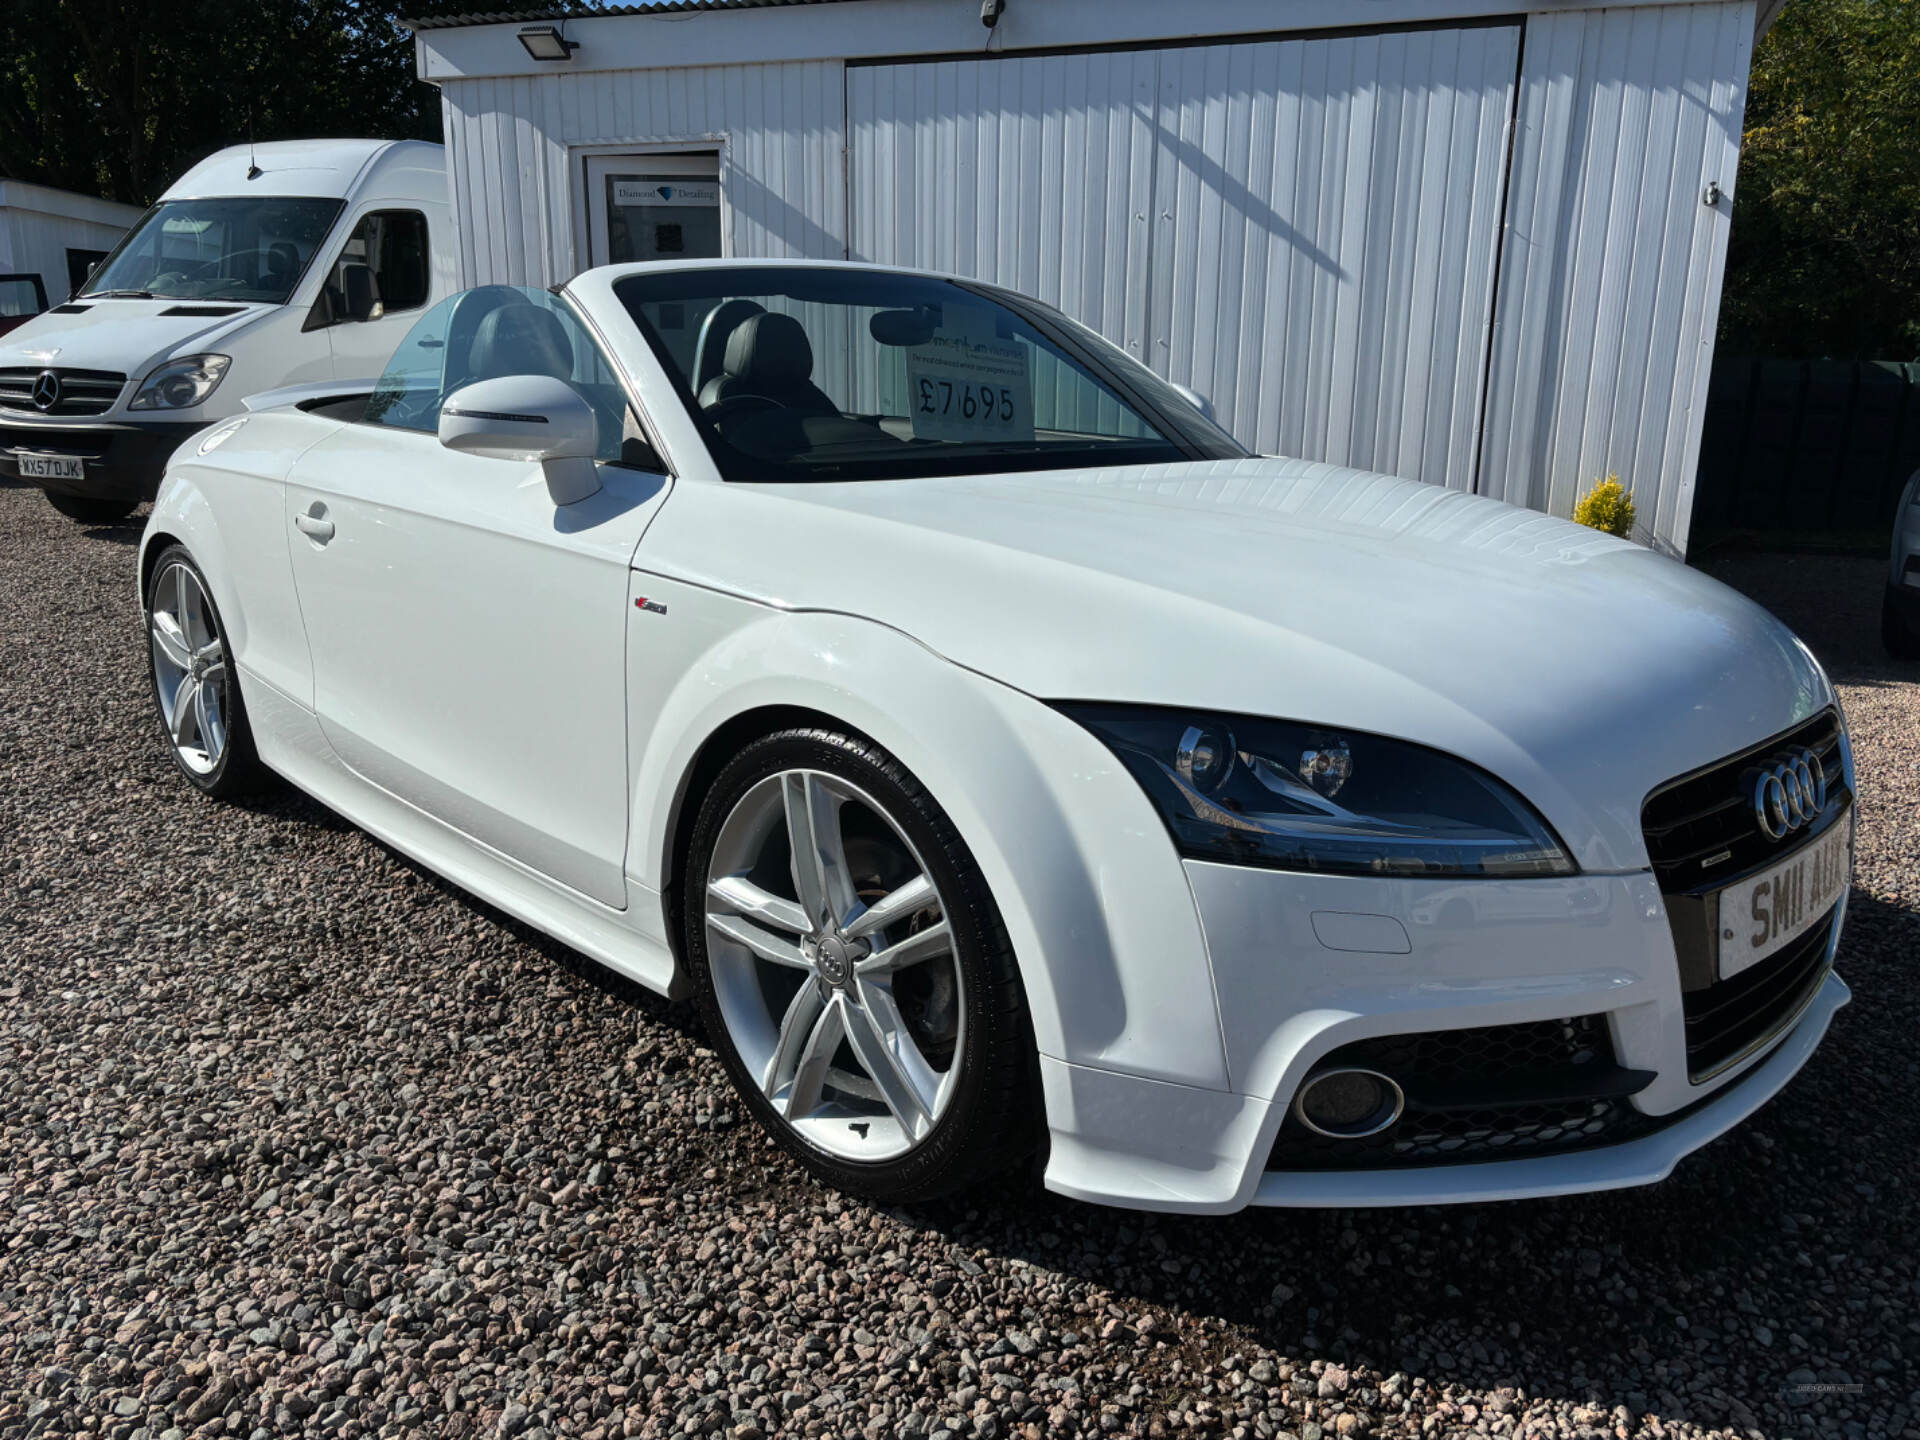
column 118, row 97
column 1824, row 257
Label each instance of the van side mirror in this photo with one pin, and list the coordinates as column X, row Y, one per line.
column 530, row 418
column 357, row 291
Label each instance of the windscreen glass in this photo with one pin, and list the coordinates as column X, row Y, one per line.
column 796, row 374
column 252, row 248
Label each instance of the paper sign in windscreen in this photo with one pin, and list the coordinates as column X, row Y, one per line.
column 970, row 388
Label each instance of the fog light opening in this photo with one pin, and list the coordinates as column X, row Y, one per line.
column 1349, row 1103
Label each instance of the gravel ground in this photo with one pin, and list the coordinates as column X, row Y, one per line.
column 295, row 1139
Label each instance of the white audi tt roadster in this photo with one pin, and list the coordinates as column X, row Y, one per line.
column 1010, row 767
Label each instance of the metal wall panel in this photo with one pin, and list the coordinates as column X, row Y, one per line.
column 1611, row 265
column 34, row 240
column 515, row 147
column 1033, row 173
column 1303, row 230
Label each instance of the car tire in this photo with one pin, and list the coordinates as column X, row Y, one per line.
column 962, row 1124
column 188, row 662
column 1897, row 636
column 90, row 510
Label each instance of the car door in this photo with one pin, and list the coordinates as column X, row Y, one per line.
column 468, row 636
column 388, row 261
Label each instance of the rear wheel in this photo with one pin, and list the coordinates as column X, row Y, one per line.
column 853, row 972
column 194, row 685
column 90, row 510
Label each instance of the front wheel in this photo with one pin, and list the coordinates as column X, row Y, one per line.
column 90, row 510
column 195, row 688
column 852, row 969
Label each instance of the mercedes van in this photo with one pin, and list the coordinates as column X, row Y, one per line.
column 261, row 267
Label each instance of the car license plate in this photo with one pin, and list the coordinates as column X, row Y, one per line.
column 1772, row 910
column 50, row 467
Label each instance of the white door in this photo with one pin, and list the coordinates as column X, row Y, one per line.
column 652, row 207
column 1304, row 231
column 468, row 638
column 392, row 244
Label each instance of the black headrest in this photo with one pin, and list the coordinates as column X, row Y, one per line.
column 769, row 347
column 282, row 258
column 710, row 352
column 521, row 339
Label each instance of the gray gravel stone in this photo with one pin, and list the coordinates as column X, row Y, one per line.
column 296, row 1139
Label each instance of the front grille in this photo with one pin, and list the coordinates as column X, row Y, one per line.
column 1701, row 831
column 1728, row 1019
column 1485, row 1093
column 1702, row 836
column 91, row 443
column 82, row 392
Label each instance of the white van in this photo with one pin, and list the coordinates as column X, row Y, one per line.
column 262, row 266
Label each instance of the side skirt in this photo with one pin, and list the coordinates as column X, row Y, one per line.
column 630, row 942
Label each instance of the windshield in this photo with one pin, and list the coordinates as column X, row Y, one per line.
column 230, row 249
column 797, row 374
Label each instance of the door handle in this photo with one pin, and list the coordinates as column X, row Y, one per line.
column 314, row 524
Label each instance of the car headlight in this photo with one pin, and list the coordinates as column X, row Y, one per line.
column 180, row 384
column 1290, row 796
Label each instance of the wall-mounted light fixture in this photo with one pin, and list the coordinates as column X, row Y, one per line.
column 991, row 11
column 545, row 42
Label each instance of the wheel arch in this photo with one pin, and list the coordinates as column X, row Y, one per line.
column 730, row 737
column 1104, row 930
column 182, row 515
column 155, row 544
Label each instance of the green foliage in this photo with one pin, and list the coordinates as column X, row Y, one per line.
column 1824, row 255
column 117, row 97
column 1607, row 506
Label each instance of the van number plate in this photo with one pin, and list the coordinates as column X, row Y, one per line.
column 50, row 467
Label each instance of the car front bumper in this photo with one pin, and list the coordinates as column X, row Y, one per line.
column 1306, row 964
column 120, row 460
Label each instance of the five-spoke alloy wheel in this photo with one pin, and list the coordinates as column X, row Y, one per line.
column 849, row 958
column 193, row 681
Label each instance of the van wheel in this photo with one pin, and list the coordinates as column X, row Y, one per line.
column 90, row 511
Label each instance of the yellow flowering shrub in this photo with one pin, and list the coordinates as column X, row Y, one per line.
column 1607, row 506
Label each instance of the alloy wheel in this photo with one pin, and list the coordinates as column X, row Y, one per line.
column 834, row 967
column 189, row 669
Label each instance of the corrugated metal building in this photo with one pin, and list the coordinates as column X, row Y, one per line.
column 1480, row 248
column 57, row 234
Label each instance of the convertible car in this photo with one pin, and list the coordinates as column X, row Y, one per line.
column 1013, row 770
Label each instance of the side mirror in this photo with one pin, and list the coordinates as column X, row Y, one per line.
column 533, row 418
column 1194, row 398
column 356, row 291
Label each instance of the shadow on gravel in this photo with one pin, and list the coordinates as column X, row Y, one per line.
column 1610, row 1299
column 124, row 532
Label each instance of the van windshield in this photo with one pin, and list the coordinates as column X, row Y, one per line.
column 250, row 248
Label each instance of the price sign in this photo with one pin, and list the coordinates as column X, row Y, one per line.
column 969, row 388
